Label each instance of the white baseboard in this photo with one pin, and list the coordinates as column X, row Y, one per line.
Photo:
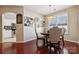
column 20, row 41
column 28, row 40
column 73, row 41
column 35, row 39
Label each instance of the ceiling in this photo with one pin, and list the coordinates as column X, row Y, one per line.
column 46, row 9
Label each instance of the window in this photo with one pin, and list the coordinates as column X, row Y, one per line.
column 61, row 21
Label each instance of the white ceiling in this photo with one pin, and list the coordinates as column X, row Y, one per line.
column 45, row 9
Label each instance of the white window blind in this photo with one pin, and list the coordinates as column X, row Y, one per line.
column 60, row 21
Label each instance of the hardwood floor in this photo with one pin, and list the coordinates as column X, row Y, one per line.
column 73, row 48
column 0, row 48
column 30, row 48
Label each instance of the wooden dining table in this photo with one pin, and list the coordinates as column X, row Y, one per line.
column 45, row 36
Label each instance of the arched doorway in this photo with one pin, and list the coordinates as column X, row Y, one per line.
column 9, row 27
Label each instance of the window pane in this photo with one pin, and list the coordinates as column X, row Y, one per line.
column 60, row 21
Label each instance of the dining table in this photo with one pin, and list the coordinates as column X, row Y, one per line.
column 45, row 36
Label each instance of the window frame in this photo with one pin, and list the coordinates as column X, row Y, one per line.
column 64, row 14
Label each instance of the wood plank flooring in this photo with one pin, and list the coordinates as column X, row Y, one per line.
column 30, row 48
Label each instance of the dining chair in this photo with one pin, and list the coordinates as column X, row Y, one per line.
column 54, row 39
column 62, row 36
column 40, row 40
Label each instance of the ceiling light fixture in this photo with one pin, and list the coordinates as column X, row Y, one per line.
column 49, row 8
column 50, row 5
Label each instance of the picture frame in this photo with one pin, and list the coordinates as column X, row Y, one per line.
column 28, row 21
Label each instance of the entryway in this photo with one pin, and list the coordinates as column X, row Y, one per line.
column 9, row 27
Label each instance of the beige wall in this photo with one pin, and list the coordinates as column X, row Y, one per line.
column 72, row 22
column 0, row 29
column 31, row 29
column 14, row 9
column 78, row 25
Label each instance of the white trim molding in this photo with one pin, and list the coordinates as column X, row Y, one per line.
column 73, row 41
column 28, row 40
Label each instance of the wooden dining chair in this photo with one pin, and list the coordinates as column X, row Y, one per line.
column 54, row 39
column 62, row 36
column 40, row 40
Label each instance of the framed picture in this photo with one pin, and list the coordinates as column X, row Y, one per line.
column 28, row 21
column 19, row 18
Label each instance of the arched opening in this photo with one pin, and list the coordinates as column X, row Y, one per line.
column 9, row 27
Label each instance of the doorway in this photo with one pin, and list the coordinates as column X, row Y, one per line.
column 9, row 27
